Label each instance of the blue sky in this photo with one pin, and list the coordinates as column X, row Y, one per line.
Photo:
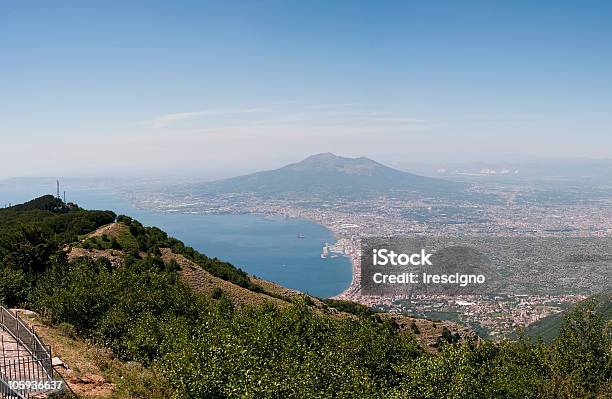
column 227, row 87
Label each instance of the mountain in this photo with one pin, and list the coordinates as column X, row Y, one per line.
column 53, row 217
column 548, row 328
column 329, row 174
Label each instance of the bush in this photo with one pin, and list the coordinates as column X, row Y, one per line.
column 67, row 330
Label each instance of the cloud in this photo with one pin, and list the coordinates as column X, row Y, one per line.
column 398, row 120
column 168, row 119
column 333, row 119
column 326, row 106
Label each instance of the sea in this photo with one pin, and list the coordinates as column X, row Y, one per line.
column 285, row 251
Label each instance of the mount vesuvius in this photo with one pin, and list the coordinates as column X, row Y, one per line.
column 331, row 175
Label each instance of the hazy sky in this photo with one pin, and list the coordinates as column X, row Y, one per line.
column 215, row 88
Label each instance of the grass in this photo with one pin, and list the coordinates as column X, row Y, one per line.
column 103, row 238
column 95, row 372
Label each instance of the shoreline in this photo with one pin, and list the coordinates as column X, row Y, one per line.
column 347, row 293
column 337, row 236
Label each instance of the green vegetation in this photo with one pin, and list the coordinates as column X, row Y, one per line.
column 50, row 215
column 199, row 347
column 549, row 327
column 53, row 217
column 120, row 239
column 349, row 307
column 151, row 239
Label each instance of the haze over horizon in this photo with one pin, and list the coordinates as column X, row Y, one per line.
column 222, row 90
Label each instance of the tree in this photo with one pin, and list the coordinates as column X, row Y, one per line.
column 581, row 360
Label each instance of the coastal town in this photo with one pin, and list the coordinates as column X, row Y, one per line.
column 505, row 211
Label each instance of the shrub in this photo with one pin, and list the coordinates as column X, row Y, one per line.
column 216, row 293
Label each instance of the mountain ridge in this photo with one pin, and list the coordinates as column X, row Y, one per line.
column 549, row 327
column 327, row 174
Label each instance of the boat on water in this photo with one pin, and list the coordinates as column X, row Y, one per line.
column 325, row 251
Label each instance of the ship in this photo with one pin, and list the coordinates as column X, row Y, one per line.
column 325, row 251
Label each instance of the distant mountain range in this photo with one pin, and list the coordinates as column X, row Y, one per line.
column 329, row 174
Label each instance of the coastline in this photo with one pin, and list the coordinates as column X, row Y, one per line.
column 154, row 213
column 338, row 237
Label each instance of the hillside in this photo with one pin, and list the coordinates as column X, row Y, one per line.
column 549, row 327
column 88, row 237
column 135, row 313
column 92, row 371
column 331, row 175
column 52, row 216
column 99, row 244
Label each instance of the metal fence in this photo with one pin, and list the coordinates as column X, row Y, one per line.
column 26, row 368
column 25, row 376
column 6, row 392
column 27, row 337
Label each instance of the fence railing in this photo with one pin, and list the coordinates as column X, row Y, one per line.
column 28, row 338
column 6, row 392
column 26, row 366
column 25, row 376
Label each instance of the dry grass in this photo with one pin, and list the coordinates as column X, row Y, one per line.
column 430, row 330
column 278, row 290
column 203, row 282
column 111, row 230
column 113, row 255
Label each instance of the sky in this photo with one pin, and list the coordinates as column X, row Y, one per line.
column 214, row 89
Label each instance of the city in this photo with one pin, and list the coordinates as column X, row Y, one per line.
column 494, row 210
